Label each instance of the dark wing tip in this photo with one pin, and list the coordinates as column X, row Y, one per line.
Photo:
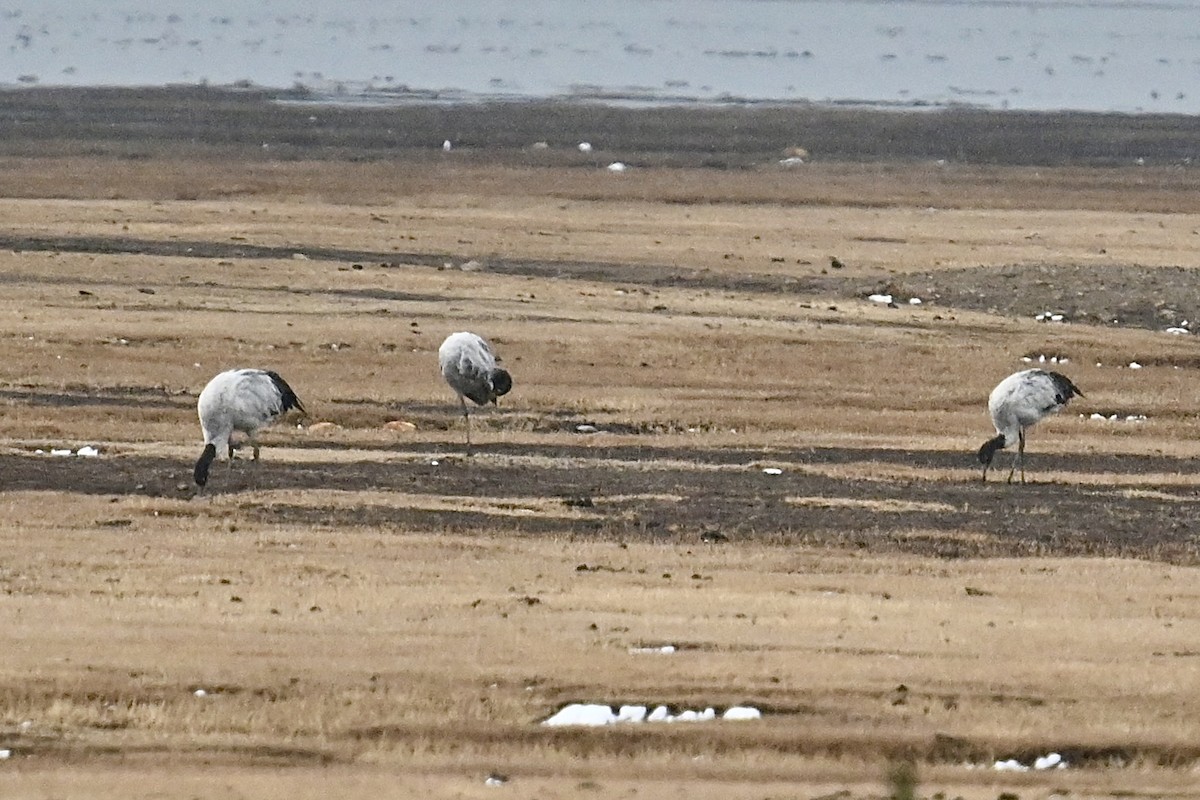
column 1064, row 387
column 287, row 397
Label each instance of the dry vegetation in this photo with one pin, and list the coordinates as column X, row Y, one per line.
column 366, row 608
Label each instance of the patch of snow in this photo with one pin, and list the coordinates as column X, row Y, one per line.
column 791, row 161
column 1095, row 415
column 598, row 715
column 617, row 166
column 772, row 471
column 585, row 428
column 880, row 298
column 58, row 452
column 446, row 146
column 1048, row 761
column 1050, row 316
column 631, row 713
column 914, row 301
column 588, row 714
column 666, row 649
column 87, row 451
column 1134, row 365
column 200, row 693
column 741, row 713
column 1177, row 331
column 585, row 147
column 5, row 753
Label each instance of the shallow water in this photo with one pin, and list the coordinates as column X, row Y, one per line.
column 1117, row 56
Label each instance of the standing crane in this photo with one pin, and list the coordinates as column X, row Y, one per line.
column 1019, row 401
column 469, row 365
column 239, row 400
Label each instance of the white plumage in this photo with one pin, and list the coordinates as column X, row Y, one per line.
column 469, row 365
column 239, row 400
column 1019, row 401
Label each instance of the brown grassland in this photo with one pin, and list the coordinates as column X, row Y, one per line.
column 370, row 612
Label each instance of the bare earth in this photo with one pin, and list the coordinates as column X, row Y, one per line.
column 716, row 441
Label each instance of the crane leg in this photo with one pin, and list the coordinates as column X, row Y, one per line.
column 1021, row 454
column 1019, row 457
column 466, row 421
column 1016, row 459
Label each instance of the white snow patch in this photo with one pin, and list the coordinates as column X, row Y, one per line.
column 5, row 753
column 631, row 713
column 1116, row 417
column 1050, row 316
column 1048, row 761
column 741, row 713
column 772, row 471
column 598, row 715
column 1177, row 331
column 617, row 166
column 791, row 161
column 659, row 714
column 880, row 298
column 87, row 451
column 1134, row 365
column 585, row 147
column 589, row 714
column 200, row 693
column 585, row 428
column 665, row 649
column 915, row 301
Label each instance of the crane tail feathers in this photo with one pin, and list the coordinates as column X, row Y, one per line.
column 287, row 396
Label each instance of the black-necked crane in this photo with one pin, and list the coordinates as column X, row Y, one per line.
column 1019, row 401
column 239, row 400
column 469, row 365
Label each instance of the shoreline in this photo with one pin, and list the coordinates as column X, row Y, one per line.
column 37, row 121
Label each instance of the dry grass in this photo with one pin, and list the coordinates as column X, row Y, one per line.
column 351, row 651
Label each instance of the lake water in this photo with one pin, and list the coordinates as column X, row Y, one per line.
column 1116, row 56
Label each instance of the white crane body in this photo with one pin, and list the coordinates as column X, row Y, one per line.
column 1019, row 401
column 239, row 400
column 470, row 366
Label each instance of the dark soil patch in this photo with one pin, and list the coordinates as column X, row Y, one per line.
column 1101, row 294
column 949, row 519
